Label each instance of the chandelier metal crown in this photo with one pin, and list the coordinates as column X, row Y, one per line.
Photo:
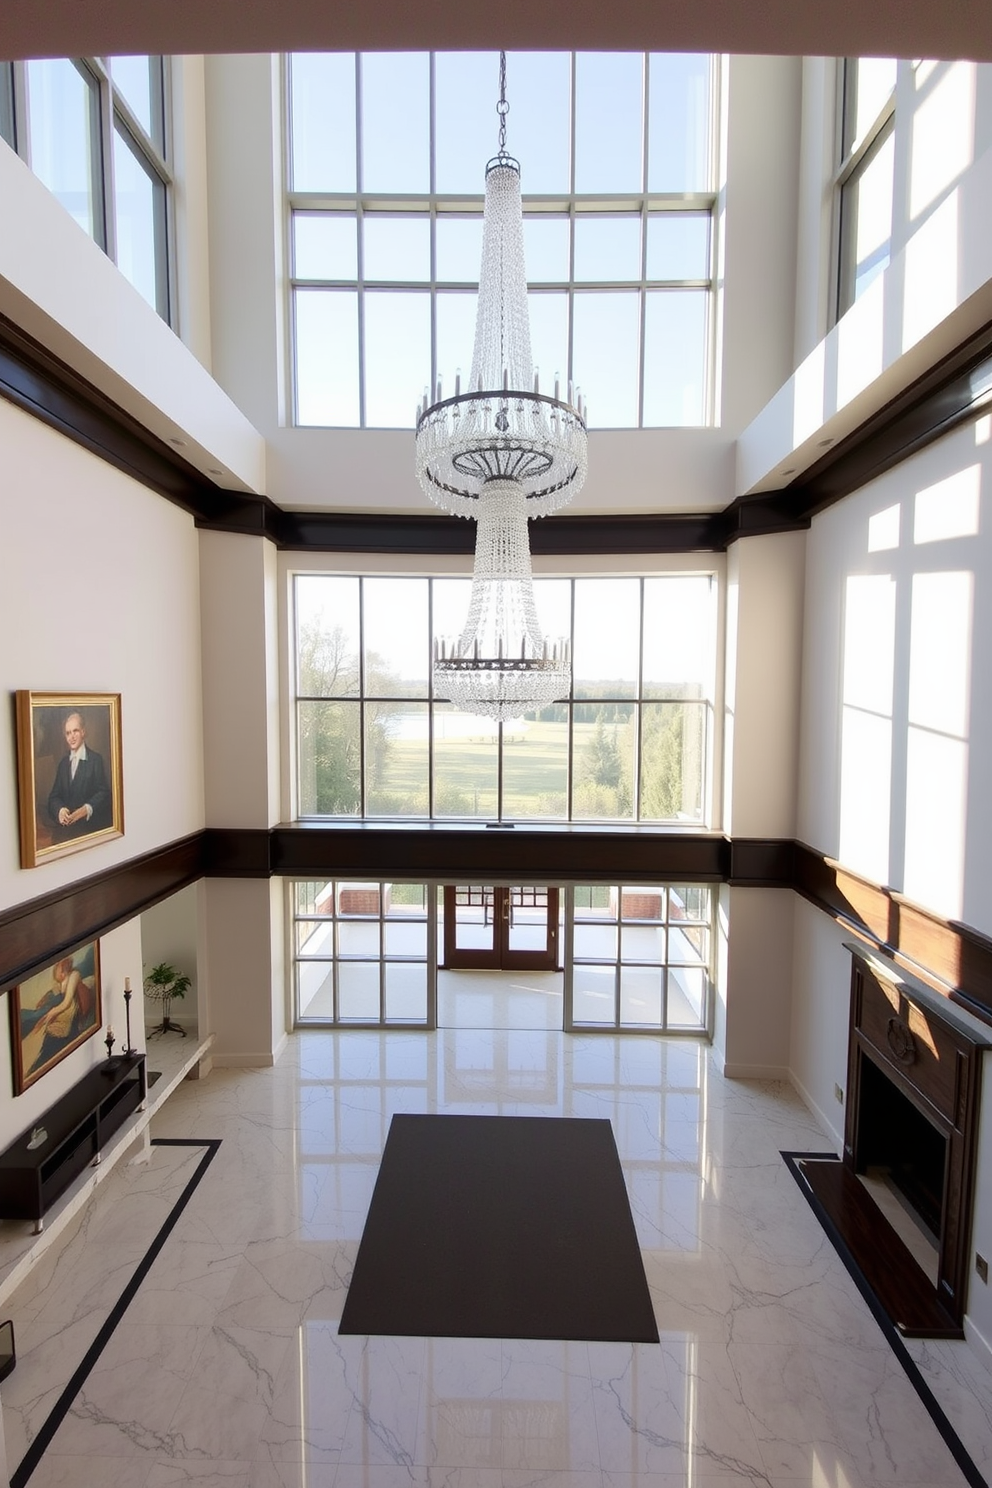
column 501, row 452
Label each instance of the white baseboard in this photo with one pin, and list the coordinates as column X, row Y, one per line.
column 980, row 1345
column 837, row 1137
column 755, row 1072
column 244, row 1061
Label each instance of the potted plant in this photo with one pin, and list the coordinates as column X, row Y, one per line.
column 165, row 984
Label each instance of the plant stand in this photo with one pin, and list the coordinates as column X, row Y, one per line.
column 166, row 1025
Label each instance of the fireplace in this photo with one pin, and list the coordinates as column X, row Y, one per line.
column 914, row 1070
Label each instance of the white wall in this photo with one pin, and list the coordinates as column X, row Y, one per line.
column 896, row 759
column 100, row 584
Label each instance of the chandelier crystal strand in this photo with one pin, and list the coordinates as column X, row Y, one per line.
column 501, row 451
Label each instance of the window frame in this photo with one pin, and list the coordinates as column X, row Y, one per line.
column 569, row 206
column 114, row 117
column 853, row 160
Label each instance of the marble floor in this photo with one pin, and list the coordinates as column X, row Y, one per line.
column 227, row 1370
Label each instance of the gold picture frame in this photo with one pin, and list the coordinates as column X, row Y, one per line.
column 63, row 808
column 53, row 1012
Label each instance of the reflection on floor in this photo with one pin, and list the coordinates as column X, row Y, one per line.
column 499, row 999
column 227, row 1368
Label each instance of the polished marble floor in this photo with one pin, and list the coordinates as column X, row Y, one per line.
column 227, row 1368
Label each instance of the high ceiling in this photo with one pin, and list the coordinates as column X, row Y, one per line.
column 907, row 28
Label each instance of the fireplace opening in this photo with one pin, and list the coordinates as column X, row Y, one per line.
column 895, row 1138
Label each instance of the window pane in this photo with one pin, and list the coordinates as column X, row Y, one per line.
column 329, row 759
column 642, row 942
column 314, row 938
column 538, row 90
column 689, row 902
column 549, row 339
column 139, row 212
column 641, row 996
column 675, row 358
column 458, row 249
column 603, row 750
column 315, row 991
column 396, row 759
column 63, row 134
column 679, row 634
column 358, row 991
column 672, row 761
column 465, row 766
column 455, row 339
column 327, row 636
column 466, row 88
column 687, row 989
column 678, row 137
column 605, row 656
column 678, row 245
column 868, row 81
column 605, row 355
column 406, row 993
column 609, row 128
column 396, row 248
column 326, row 357
column 535, row 765
column 866, row 221
column 132, row 77
column 546, row 250
column 313, row 896
column 451, row 598
column 607, row 248
column 325, row 245
column 397, row 646
column 322, row 120
column 395, row 121
column 594, row 995
column 397, row 356
column 405, row 938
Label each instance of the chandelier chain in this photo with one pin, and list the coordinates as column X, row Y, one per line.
column 502, row 107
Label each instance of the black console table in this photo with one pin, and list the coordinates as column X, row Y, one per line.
column 78, row 1126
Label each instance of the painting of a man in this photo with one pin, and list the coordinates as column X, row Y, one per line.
column 70, row 787
column 79, row 801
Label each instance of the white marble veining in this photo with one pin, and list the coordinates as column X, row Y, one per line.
column 228, row 1371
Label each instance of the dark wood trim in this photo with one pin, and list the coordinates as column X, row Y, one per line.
column 919, row 940
column 36, row 932
column 576, row 854
column 948, row 953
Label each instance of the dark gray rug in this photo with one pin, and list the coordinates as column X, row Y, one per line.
column 500, row 1227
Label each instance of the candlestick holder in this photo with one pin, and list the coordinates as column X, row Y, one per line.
column 129, row 1052
column 110, row 1041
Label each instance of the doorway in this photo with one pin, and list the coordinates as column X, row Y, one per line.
column 491, row 928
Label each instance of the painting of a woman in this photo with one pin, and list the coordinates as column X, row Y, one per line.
column 53, row 1012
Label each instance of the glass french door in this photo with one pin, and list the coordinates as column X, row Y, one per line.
column 487, row 927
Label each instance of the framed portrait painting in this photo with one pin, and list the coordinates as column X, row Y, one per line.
column 53, row 1012
column 70, row 788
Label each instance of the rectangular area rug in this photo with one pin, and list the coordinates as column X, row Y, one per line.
column 500, row 1227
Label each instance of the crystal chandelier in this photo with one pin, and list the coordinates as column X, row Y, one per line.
column 500, row 453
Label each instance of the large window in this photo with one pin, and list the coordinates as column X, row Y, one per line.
column 866, row 174
column 387, row 157
column 94, row 130
column 631, row 743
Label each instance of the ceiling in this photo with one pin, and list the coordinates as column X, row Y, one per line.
column 907, row 28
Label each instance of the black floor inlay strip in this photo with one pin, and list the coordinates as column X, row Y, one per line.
column 62, row 1406
column 910, row 1367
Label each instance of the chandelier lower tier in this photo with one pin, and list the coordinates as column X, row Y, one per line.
column 501, row 665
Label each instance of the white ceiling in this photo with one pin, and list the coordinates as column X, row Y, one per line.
column 907, row 28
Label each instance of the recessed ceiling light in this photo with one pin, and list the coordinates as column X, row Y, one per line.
column 179, row 443
column 791, row 470
column 212, row 470
column 823, row 443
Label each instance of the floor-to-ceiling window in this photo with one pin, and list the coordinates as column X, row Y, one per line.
column 386, row 162
column 631, row 743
